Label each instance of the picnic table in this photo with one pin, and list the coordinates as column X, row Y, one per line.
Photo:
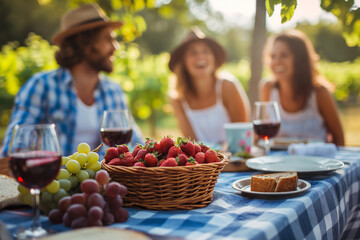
column 321, row 212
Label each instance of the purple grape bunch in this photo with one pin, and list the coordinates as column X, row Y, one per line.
column 99, row 204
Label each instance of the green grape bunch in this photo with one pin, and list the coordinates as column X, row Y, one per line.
column 75, row 169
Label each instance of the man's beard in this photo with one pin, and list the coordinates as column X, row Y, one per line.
column 99, row 62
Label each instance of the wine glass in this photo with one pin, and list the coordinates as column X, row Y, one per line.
column 266, row 122
column 116, row 127
column 35, row 160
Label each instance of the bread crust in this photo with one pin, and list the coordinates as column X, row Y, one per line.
column 9, row 193
column 259, row 184
column 286, row 184
column 274, row 182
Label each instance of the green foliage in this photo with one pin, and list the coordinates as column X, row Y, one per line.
column 18, row 18
column 346, row 11
column 133, row 26
column 125, row 11
column 328, row 42
column 346, row 78
column 349, row 15
column 270, row 6
column 17, row 64
column 287, row 8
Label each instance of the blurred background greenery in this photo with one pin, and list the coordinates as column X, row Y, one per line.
column 152, row 29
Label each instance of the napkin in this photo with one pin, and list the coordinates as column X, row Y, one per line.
column 313, row 149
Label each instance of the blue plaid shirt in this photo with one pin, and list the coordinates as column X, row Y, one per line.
column 49, row 97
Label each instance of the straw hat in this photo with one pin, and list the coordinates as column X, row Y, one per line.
column 80, row 19
column 197, row 35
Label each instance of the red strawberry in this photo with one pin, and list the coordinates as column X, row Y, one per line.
column 191, row 161
column 141, row 155
column 161, row 162
column 157, row 149
column 127, row 159
column 204, row 147
column 197, row 148
column 200, row 157
column 122, row 148
column 170, row 162
column 166, row 143
column 150, row 160
column 173, row 152
column 115, row 161
column 152, row 146
column 211, row 156
column 188, row 147
column 111, row 153
column 181, row 159
column 136, row 150
column 139, row 164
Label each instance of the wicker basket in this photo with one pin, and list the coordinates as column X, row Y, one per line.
column 168, row 188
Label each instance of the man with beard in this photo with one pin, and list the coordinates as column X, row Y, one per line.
column 75, row 95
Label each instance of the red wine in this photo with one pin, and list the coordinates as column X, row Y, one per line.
column 113, row 137
column 35, row 169
column 266, row 129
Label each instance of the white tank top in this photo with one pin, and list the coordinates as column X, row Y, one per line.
column 208, row 123
column 306, row 123
column 87, row 125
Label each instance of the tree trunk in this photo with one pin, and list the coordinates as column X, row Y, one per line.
column 258, row 42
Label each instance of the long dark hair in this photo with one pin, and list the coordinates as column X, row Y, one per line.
column 305, row 63
column 183, row 80
column 72, row 49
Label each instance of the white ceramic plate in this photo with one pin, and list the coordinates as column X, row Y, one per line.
column 243, row 185
column 300, row 164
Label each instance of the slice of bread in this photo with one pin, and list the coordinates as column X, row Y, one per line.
column 274, row 182
column 9, row 193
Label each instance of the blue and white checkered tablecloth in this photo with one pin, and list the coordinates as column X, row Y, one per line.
column 319, row 213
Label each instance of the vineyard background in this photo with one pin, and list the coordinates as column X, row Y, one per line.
column 151, row 29
column 145, row 80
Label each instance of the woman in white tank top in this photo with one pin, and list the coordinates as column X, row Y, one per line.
column 307, row 108
column 203, row 101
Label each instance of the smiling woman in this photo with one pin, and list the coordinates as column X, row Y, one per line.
column 204, row 100
column 307, row 108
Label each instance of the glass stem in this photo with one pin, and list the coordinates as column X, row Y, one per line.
column 36, row 211
column 267, row 146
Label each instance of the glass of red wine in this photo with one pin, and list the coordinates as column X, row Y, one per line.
column 35, row 160
column 266, row 122
column 116, row 127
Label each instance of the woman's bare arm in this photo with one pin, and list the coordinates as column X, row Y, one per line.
column 329, row 112
column 236, row 101
column 265, row 89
